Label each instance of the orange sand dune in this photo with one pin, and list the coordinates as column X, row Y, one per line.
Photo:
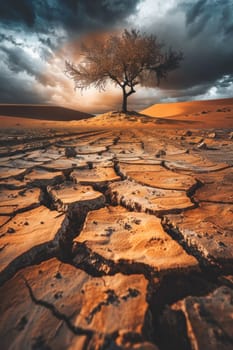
column 210, row 113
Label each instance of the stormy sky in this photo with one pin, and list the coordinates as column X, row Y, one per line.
column 37, row 36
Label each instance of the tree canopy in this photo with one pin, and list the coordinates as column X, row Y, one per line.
column 126, row 60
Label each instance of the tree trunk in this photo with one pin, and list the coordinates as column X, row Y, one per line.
column 124, row 102
column 125, row 96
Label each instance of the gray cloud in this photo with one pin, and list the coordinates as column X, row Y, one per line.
column 9, row 38
column 17, row 60
column 19, row 90
column 22, row 12
column 202, row 30
column 45, row 26
column 70, row 14
column 216, row 14
column 195, row 11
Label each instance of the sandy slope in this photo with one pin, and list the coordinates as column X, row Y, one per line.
column 21, row 123
column 42, row 112
column 193, row 114
column 211, row 113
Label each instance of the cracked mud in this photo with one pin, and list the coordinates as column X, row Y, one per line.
column 116, row 239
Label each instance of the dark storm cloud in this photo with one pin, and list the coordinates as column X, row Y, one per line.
column 209, row 24
column 215, row 13
column 22, row 11
column 18, row 61
column 21, row 90
column 205, row 37
column 82, row 14
column 202, row 29
column 46, row 25
column 195, row 11
column 70, row 14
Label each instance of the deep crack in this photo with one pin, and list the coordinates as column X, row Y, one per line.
column 75, row 329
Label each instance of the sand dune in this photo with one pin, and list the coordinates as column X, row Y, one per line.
column 42, row 112
column 188, row 115
column 210, row 113
column 191, row 114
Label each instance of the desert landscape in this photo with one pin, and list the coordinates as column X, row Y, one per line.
column 116, row 230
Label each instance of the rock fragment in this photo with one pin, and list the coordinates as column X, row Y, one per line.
column 224, row 177
column 12, row 184
column 75, row 197
column 20, row 163
column 42, row 177
column 212, row 135
column 157, row 176
column 129, row 239
column 215, row 192
column 89, row 149
column 135, row 196
column 95, row 176
column 25, row 241
column 202, row 145
column 13, row 201
column 127, row 149
column 70, row 152
column 193, row 164
column 85, row 309
column 7, row 172
column 64, row 164
column 208, row 230
column 207, row 321
column 217, row 187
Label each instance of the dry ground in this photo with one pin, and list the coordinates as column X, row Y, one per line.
column 116, row 231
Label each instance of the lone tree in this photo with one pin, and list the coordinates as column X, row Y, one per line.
column 126, row 60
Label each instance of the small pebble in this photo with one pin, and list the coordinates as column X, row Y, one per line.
column 11, row 230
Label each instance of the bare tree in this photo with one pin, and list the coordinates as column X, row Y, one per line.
column 126, row 60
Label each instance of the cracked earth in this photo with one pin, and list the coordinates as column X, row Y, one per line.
column 116, row 239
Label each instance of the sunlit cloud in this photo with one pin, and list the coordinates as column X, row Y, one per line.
column 35, row 44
